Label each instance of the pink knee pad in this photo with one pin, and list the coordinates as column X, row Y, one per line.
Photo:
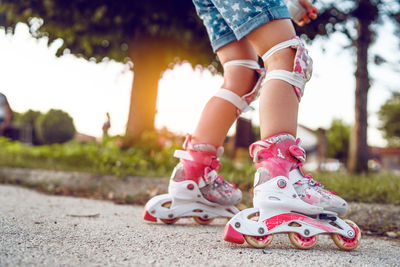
column 242, row 103
column 302, row 67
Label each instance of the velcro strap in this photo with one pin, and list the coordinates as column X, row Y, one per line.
column 248, row 63
column 280, row 46
column 181, row 154
column 235, row 99
column 243, row 103
column 256, row 147
column 213, row 162
column 298, row 152
column 294, row 78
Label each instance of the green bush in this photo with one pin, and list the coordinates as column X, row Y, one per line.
column 56, row 126
column 108, row 158
column 154, row 157
column 29, row 118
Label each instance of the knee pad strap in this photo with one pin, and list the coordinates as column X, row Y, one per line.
column 302, row 67
column 242, row 102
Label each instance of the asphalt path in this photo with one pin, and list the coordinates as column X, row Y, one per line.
column 43, row 230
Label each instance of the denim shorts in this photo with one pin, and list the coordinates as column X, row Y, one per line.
column 230, row 20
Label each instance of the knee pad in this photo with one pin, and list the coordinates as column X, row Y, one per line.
column 242, row 103
column 302, row 67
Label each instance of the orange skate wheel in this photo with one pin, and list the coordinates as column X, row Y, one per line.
column 302, row 242
column 346, row 243
column 259, row 241
column 202, row 221
column 172, row 220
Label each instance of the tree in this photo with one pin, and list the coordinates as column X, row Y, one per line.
column 338, row 137
column 29, row 118
column 56, row 126
column 389, row 114
column 153, row 34
column 356, row 20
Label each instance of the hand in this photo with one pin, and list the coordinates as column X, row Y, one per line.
column 311, row 12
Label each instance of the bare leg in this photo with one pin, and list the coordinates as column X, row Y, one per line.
column 278, row 101
column 218, row 115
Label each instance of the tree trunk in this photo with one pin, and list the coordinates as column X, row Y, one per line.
column 358, row 156
column 147, row 72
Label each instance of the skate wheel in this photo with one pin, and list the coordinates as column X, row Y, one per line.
column 168, row 221
column 302, row 242
column 202, row 221
column 346, row 243
column 241, row 206
column 259, row 241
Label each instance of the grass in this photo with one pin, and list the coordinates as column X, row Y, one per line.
column 372, row 188
column 143, row 160
column 151, row 159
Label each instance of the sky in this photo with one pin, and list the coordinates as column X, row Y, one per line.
column 32, row 77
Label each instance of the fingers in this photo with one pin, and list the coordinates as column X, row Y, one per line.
column 311, row 14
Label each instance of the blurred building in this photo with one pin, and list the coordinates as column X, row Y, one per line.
column 384, row 158
column 315, row 144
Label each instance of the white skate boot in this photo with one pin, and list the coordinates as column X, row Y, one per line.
column 195, row 189
column 282, row 205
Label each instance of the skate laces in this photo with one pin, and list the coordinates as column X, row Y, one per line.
column 212, row 177
column 308, row 178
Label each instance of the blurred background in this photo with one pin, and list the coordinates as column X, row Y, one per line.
column 113, row 86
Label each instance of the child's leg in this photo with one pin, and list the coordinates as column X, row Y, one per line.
column 219, row 114
column 199, row 161
column 278, row 101
column 279, row 153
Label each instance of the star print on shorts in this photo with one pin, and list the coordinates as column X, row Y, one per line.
column 230, row 20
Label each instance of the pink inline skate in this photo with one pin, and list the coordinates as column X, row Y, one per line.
column 287, row 201
column 195, row 189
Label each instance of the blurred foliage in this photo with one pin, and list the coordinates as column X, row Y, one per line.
column 372, row 188
column 338, row 138
column 345, row 16
column 170, row 31
column 389, row 114
column 153, row 34
column 29, row 118
column 111, row 28
column 56, row 126
column 153, row 157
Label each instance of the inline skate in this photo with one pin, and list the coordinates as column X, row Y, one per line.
column 287, row 201
column 195, row 188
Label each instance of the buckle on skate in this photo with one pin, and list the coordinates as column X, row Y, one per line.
column 324, row 216
column 215, row 164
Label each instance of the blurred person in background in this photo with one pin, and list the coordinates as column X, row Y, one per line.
column 5, row 115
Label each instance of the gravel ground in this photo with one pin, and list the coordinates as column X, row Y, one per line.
column 37, row 229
